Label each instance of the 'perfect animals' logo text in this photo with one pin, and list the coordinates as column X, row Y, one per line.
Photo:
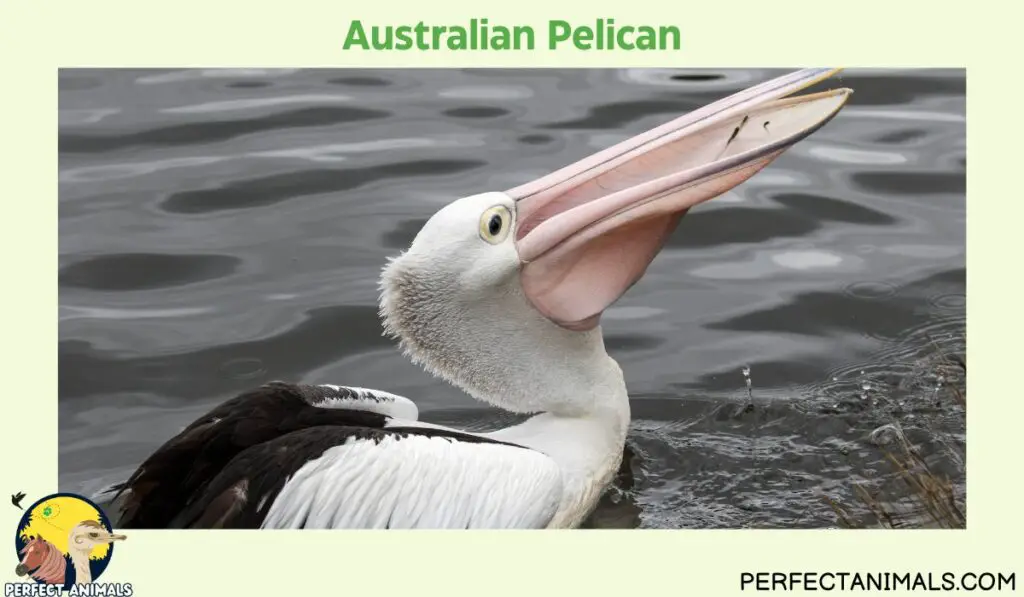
column 63, row 543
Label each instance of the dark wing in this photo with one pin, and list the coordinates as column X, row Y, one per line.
column 177, row 473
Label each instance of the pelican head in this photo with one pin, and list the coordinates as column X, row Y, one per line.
column 501, row 293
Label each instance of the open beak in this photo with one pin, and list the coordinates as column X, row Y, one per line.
column 587, row 232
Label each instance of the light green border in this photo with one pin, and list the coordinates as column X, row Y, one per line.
column 37, row 37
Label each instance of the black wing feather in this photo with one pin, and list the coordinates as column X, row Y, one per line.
column 177, row 473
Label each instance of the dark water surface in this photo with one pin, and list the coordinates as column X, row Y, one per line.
column 223, row 228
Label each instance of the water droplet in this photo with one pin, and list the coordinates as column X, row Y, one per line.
column 746, row 371
column 866, row 386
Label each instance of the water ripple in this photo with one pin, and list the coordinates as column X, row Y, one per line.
column 213, row 73
column 131, row 169
column 69, row 312
column 145, row 271
column 845, row 155
column 491, row 93
column 912, row 183
column 66, row 117
column 904, row 116
column 209, row 132
column 237, row 105
column 330, row 153
column 269, row 190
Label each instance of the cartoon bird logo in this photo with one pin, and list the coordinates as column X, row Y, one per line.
column 64, row 539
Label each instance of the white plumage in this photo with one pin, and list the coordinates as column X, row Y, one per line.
column 420, row 482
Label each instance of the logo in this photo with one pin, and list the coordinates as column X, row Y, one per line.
column 63, row 543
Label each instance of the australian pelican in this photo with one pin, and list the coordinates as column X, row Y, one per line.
column 499, row 294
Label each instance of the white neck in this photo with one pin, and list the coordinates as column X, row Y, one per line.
column 478, row 331
column 488, row 340
column 80, row 560
column 588, row 451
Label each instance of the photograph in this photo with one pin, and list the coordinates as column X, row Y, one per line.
column 509, row 298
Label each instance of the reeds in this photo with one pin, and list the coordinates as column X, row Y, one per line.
column 916, row 495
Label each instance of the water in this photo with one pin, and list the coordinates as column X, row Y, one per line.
column 223, row 228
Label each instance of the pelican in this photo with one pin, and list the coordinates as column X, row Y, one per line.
column 500, row 294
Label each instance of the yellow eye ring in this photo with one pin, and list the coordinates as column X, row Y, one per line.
column 495, row 224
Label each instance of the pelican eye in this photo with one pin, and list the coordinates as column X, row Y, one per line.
column 495, row 224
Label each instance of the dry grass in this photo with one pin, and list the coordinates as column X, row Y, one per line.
column 924, row 497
